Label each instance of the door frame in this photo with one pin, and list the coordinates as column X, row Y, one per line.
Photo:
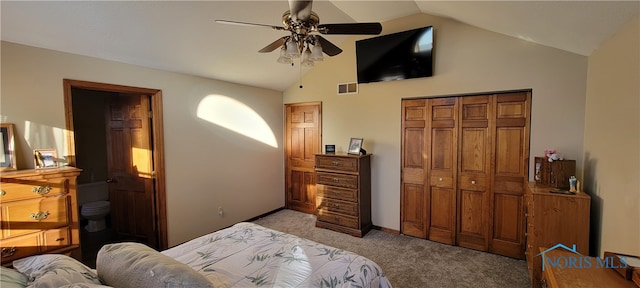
column 157, row 136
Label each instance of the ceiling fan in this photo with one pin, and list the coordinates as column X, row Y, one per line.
column 301, row 22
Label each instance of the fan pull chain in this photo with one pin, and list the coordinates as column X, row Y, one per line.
column 300, row 74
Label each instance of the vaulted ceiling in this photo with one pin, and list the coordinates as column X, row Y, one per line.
column 181, row 36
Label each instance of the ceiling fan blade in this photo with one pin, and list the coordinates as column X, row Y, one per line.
column 328, row 47
column 249, row 24
column 275, row 45
column 300, row 9
column 372, row 28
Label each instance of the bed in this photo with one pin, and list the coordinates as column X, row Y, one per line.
column 243, row 255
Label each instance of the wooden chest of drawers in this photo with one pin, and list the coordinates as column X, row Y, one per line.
column 554, row 219
column 343, row 194
column 38, row 213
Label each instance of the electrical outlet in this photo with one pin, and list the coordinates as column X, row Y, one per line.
column 220, row 211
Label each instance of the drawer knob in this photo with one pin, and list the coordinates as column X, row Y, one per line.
column 335, row 180
column 41, row 190
column 335, row 163
column 336, row 206
column 40, row 215
column 60, row 239
column 2, row 192
column 8, row 252
column 473, row 182
column 440, row 179
column 337, row 218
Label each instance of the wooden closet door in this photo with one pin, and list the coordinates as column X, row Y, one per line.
column 511, row 156
column 413, row 198
column 441, row 145
column 474, row 172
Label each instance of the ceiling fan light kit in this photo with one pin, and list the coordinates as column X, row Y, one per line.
column 300, row 21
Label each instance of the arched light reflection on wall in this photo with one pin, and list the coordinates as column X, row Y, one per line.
column 237, row 117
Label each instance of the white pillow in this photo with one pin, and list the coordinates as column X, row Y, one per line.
column 135, row 265
column 55, row 270
column 10, row 278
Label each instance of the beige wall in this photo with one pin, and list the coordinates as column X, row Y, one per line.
column 207, row 166
column 612, row 142
column 467, row 60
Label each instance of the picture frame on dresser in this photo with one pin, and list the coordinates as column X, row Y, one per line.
column 7, row 153
column 45, row 158
column 355, row 144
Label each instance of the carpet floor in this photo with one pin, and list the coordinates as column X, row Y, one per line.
column 408, row 261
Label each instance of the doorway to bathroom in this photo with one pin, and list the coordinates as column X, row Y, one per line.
column 116, row 138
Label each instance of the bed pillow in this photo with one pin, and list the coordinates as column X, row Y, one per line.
column 11, row 278
column 136, row 265
column 55, row 270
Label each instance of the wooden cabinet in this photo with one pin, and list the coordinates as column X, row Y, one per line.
column 555, row 174
column 343, row 193
column 39, row 213
column 554, row 219
column 464, row 162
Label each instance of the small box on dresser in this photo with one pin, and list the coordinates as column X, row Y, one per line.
column 343, row 194
column 39, row 213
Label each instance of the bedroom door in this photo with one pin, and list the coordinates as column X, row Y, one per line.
column 303, row 129
column 130, row 168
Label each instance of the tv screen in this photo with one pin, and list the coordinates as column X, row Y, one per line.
column 397, row 56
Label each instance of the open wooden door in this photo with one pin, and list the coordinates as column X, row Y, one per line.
column 131, row 170
column 302, row 141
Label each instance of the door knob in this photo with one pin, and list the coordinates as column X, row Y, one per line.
column 110, row 180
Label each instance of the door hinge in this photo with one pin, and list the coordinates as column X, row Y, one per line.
column 150, row 114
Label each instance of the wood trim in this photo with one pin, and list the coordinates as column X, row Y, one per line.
column 158, row 141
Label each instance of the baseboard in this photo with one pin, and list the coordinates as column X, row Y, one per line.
column 388, row 230
column 264, row 215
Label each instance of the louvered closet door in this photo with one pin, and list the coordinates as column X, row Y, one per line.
column 474, row 172
column 441, row 145
column 413, row 198
column 511, row 156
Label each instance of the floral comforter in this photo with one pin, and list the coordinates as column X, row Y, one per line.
column 249, row 255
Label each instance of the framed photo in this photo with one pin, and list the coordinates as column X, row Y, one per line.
column 330, row 148
column 7, row 153
column 45, row 158
column 355, row 144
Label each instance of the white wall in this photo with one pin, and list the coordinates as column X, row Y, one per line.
column 612, row 142
column 467, row 60
column 206, row 166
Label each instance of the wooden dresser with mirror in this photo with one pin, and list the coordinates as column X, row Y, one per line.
column 39, row 213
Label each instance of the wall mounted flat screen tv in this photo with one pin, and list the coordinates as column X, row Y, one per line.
column 402, row 55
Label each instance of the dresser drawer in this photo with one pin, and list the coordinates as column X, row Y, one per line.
column 28, row 216
column 342, row 220
column 325, row 191
column 339, row 180
column 338, row 206
column 337, row 163
column 19, row 247
column 19, row 189
column 56, row 238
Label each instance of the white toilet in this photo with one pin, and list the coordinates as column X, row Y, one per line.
column 93, row 198
column 95, row 213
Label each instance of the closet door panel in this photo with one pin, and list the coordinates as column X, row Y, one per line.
column 474, row 150
column 413, row 195
column 442, row 147
column 511, row 157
